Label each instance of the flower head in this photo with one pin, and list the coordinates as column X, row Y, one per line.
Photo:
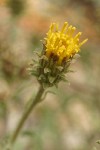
column 61, row 43
column 59, row 49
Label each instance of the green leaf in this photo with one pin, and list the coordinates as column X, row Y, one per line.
column 46, row 70
column 41, row 77
column 37, row 53
column 44, row 57
column 68, row 70
column 76, row 56
column 51, row 79
column 60, row 68
column 63, row 77
column 34, row 73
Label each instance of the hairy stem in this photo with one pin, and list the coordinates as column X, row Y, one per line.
column 26, row 114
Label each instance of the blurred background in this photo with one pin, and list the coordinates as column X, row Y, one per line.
column 70, row 119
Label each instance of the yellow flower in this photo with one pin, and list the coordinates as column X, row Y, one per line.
column 58, row 50
column 61, row 43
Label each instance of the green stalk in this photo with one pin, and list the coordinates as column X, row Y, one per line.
column 26, row 114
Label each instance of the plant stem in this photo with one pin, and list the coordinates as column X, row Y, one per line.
column 26, row 114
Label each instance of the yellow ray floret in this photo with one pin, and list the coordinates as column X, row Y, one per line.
column 62, row 43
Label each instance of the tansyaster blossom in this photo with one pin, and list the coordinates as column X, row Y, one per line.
column 59, row 49
column 61, row 43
